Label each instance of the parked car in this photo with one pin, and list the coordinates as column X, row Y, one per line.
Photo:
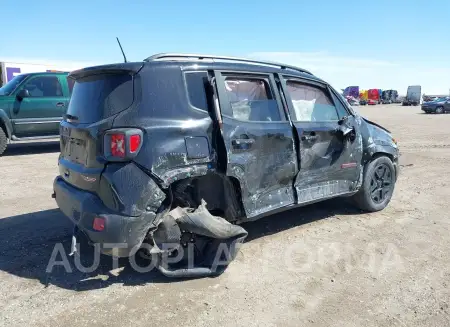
column 179, row 150
column 372, row 102
column 438, row 106
column 363, row 102
column 32, row 106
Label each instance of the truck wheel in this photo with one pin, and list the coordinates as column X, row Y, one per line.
column 439, row 110
column 3, row 141
column 378, row 185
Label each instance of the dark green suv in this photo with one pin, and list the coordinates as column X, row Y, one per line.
column 32, row 106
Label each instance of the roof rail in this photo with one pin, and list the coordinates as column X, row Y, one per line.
column 168, row 56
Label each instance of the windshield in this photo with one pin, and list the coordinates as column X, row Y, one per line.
column 9, row 87
column 440, row 99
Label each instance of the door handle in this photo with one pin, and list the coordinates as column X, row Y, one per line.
column 242, row 143
column 60, row 104
column 311, row 136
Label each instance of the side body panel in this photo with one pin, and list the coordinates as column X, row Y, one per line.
column 261, row 155
column 330, row 164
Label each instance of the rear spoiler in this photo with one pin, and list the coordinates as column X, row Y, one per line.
column 132, row 67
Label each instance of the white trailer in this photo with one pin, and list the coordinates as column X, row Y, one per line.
column 413, row 95
column 10, row 69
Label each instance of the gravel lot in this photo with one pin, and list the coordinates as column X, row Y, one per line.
column 322, row 265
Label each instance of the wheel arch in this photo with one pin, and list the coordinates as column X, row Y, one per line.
column 389, row 153
column 221, row 193
column 378, row 154
column 5, row 123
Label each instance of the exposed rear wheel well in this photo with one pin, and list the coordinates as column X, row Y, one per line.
column 221, row 193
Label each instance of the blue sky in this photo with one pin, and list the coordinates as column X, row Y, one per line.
column 379, row 44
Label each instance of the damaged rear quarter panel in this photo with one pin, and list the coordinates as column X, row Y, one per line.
column 174, row 147
column 129, row 190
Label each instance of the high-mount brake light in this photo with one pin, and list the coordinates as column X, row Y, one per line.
column 122, row 144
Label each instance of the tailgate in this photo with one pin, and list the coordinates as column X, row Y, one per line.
column 99, row 94
column 80, row 161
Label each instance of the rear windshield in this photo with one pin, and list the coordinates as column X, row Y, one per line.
column 97, row 97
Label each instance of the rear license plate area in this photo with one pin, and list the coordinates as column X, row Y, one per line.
column 76, row 150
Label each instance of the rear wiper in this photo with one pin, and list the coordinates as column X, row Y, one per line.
column 70, row 117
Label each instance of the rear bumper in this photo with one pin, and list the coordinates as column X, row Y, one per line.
column 122, row 233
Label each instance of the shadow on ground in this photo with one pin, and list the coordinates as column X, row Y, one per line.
column 28, row 241
column 28, row 148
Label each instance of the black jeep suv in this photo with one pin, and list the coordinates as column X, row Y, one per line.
column 178, row 150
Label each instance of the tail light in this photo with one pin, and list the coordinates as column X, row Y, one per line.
column 122, row 144
column 98, row 224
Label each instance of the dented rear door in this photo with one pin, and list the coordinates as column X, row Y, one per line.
column 330, row 162
column 259, row 141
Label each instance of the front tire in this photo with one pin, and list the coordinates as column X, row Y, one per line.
column 378, row 185
column 3, row 141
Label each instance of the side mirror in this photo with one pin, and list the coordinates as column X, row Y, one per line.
column 24, row 93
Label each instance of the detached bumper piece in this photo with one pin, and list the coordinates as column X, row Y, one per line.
column 194, row 243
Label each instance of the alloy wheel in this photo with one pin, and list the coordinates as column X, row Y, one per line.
column 381, row 183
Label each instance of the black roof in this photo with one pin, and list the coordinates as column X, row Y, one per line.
column 199, row 62
column 226, row 63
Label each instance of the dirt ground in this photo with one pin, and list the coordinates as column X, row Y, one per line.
column 322, row 265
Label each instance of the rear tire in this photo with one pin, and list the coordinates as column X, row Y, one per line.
column 439, row 110
column 378, row 185
column 3, row 141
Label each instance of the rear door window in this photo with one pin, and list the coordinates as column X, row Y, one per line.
column 195, row 83
column 100, row 96
column 251, row 99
